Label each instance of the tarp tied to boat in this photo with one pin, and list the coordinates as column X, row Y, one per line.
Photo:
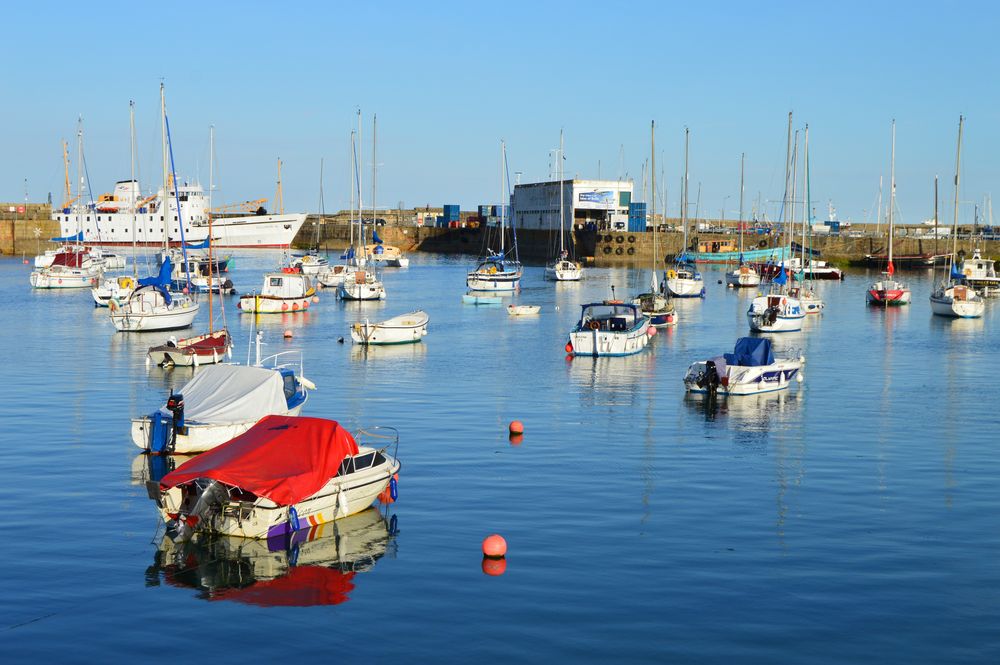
column 163, row 279
column 283, row 458
column 751, row 352
column 223, row 394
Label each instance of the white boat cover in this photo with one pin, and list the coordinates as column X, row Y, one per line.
column 223, row 394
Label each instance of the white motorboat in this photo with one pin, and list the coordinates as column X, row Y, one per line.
column 980, row 274
column 333, row 275
column 282, row 292
column 208, row 349
column 64, row 277
column 284, row 474
column 310, row 264
column 388, row 255
column 957, row 301
column 220, row 402
column 403, row 329
column 750, row 370
column 523, row 310
column 152, row 307
column 776, row 312
column 117, row 288
column 361, row 284
column 811, row 302
column 743, row 277
column 609, row 328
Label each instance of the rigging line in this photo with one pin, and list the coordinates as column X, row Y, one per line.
column 177, row 198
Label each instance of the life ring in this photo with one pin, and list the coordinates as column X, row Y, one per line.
column 631, row 251
column 631, row 238
column 594, row 325
column 607, row 249
column 762, row 244
column 620, row 239
column 671, row 274
column 619, row 251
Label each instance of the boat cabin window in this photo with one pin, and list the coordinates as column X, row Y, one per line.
column 289, row 385
column 275, row 281
column 361, row 462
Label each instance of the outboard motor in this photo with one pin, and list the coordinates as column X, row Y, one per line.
column 711, row 377
column 771, row 315
column 175, row 405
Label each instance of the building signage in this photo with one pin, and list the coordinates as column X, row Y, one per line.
column 606, row 197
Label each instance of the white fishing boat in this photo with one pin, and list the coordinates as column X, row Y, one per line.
column 281, row 292
column 609, row 328
column 750, row 370
column 523, row 310
column 953, row 298
column 60, row 276
column 152, row 307
column 221, row 401
column 888, row 291
column 479, row 299
column 776, row 312
column 403, row 329
column 208, row 349
column 310, row 264
column 743, row 275
column 284, row 474
column 684, row 280
column 562, row 268
column 388, row 255
column 499, row 270
column 980, row 274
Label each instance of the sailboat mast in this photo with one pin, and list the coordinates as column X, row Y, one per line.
column 79, row 178
column 361, row 207
column 164, row 207
column 503, row 188
column 805, row 199
column 958, row 174
column 374, row 169
column 935, row 217
column 133, row 185
column 892, row 190
column 652, row 168
column 322, row 208
column 743, row 157
column 353, row 189
column 211, row 185
column 791, row 208
column 788, row 186
column 562, row 246
column 684, row 190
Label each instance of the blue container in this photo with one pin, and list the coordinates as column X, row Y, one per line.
column 484, row 211
column 636, row 224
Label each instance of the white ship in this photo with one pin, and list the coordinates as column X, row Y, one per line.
column 110, row 220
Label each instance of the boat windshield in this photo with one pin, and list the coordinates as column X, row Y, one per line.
column 609, row 316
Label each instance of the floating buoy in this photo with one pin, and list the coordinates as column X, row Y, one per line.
column 494, row 567
column 516, row 427
column 569, row 347
column 315, row 299
column 651, row 331
column 185, row 291
column 25, row 261
column 720, row 281
column 494, row 546
column 516, row 439
column 340, row 340
column 288, row 334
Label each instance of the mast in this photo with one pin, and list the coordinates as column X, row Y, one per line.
column 322, row 209
column 79, row 177
column 280, row 196
column 743, row 156
column 790, row 223
column 503, row 188
column 805, row 199
column 958, row 174
column 892, row 193
column 652, row 168
column 211, row 184
column 68, row 198
column 684, row 190
column 134, row 187
column 164, row 208
column 935, row 217
column 374, row 169
column 361, row 207
column 353, row 189
column 562, row 246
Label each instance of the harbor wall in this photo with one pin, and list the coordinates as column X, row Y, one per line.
column 26, row 229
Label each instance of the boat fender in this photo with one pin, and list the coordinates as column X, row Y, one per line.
column 631, row 251
column 393, row 488
column 293, row 554
column 293, row 519
column 342, row 505
column 619, row 251
column 393, row 525
column 607, row 249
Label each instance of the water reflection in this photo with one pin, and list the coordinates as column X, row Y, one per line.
column 363, row 353
column 316, row 566
column 750, row 417
column 611, row 378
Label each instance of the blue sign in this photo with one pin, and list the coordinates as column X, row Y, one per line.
column 606, row 197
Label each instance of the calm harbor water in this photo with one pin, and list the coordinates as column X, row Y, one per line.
column 853, row 519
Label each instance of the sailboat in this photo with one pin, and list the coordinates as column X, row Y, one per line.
column 744, row 276
column 334, row 275
column 778, row 311
column 562, row 269
column 498, row 271
column 684, row 280
column 72, row 267
column 806, row 293
column 215, row 345
column 954, row 298
column 362, row 283
column 889, row 291
column 312, row 262
column 654, row 304
column 152, row 306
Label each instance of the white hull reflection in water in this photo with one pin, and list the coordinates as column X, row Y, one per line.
column 313, row 566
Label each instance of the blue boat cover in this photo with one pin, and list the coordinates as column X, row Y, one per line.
column 781, row 278
column 74, row 238
column 956, row 274
column 751, row 352
column 163, row 279
column 159, row 434
column 199, row 245
column 378, row 241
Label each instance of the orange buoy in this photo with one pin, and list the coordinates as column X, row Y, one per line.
column 494, row 546
column 569, row 347
column 516, row 427
column 651, row 331
column 315, row 298
column 288, row 334
column 516, row 439
column 494, row 567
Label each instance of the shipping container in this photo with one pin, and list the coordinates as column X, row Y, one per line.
column 484, row 211
column 636, row 224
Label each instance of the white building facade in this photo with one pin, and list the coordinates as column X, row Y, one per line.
column 601, row 203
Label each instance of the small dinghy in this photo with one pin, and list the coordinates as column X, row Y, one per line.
column 751, row 369
column 206, row 349
column 403, row 329
column 473, row 299
column 523, row 310
column 284, row 474
column 219, row 403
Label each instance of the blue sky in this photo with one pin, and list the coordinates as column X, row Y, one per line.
column 449, row 80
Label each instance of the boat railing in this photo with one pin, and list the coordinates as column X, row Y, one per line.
column 388, row 435
column 274, row 364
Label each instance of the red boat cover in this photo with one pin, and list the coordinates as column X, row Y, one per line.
column 283, row 458
column 69, row 259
